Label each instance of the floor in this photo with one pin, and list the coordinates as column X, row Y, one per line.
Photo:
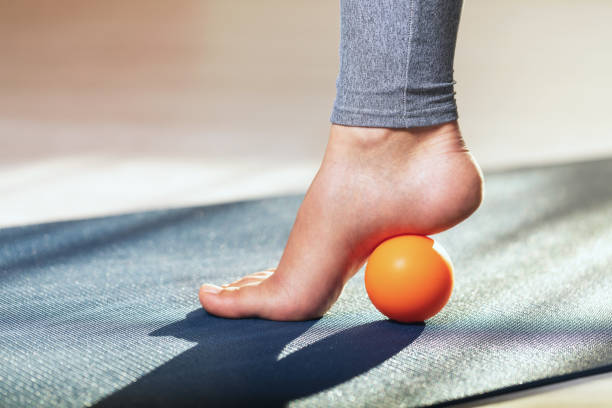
column 108, row 106
column 587, row 392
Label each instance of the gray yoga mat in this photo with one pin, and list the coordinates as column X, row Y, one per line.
column 105, row 310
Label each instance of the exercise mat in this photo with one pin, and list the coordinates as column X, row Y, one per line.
column 105, row 311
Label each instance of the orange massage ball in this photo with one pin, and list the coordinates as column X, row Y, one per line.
column 409, row 278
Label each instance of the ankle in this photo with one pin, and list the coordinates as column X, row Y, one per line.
column 347, row 139
column 359, row 137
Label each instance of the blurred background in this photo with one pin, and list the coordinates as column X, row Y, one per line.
column 114, row 106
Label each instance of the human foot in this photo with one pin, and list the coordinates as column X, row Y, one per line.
column 373, row 184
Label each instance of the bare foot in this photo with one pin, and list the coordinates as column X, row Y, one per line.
column 373, row 183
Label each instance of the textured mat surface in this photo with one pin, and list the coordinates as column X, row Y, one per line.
column 105, row 310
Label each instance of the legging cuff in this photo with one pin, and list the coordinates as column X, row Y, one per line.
column 355, row 117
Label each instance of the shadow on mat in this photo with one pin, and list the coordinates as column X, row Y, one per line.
column 236, row 362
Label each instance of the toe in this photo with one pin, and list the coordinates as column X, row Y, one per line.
column 258, row 297
column 233, row 302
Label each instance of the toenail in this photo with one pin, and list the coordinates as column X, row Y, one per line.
column 208, row 288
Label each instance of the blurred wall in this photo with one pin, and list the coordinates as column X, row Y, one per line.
column 202, row 78
column 533, row 80
column 238, row 79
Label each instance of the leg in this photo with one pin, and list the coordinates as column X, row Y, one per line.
column 395, row 162
column 396, row 63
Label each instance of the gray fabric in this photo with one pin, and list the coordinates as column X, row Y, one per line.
column 105, row 310
column 396, row 63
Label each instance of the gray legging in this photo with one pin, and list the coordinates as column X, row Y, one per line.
column 396, row 63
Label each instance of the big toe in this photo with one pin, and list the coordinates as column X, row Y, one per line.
column 232, row 302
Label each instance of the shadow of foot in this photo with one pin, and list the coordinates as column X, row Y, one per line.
column 236, row 362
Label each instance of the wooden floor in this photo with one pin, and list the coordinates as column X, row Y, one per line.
column 113, row 106
column 590, row 392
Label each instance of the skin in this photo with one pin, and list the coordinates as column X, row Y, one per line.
column 373, row 183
